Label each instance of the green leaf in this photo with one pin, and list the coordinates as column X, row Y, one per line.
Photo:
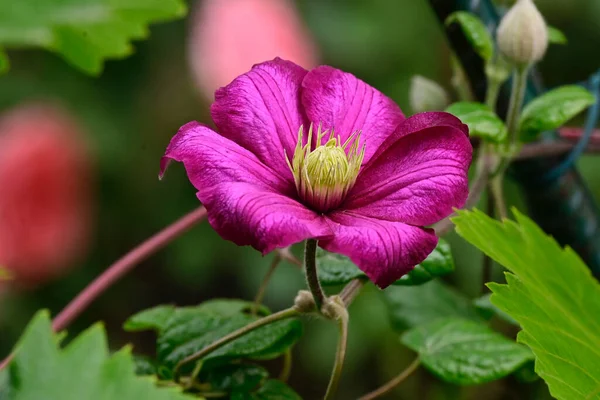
column 475, row 32
column 236, row 377
column 487, row 309
column 335, row 269
column 555, row 36
column 144, row 365
column 4, row 63
column 186, row 330
column 82, row 370
column 438, row 263
column 412, row 306
column 482, row 120
column 84, row 33
column 551, row 294
column 553, row 109
column 5, row 274
column 272, row 390
column 464, row 352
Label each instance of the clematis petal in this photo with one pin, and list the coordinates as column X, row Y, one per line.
column 249, row 215
column 418, row 179
column 247, row 202
column 260, row 111
column 343, row 102
column 383, row 250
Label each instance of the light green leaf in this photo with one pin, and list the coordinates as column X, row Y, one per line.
column 82, row 370
column 482, row 120
column 552, row 295
column 5, row 274
column 4, row 63
column 464, row 352
column 552, row 110
column 475, row 32
column 417, row 305
column 438, row 263
column 186, row 330
column 335, row 269
column 555, row 36
column 85, row 33
column 271, row 390
column 487, row 309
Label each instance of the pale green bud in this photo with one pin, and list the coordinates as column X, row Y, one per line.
column 523, row 34
column 427, row 95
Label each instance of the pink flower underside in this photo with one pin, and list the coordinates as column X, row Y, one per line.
column 228, row 37
column 45, row 206
column 415, row 177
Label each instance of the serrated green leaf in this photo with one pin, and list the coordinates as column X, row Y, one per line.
column 82, row 370
column 241, row 378
column 412, row 306
column 84, row 33
column 186, row 330
column 144, row 365
column 487, row 309
column 4, row 63
column 464, row 352
column 552, row 110
column 335, row 269
column 271, row 390
column 475, row 32
column 555, row 36
column 438, row 263
column 552, row 295
column 482, row 120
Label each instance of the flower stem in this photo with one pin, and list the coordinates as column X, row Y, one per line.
column 497, row 193
column 310, row 268
column 517, row 96
column 269, row 319
column 394, row 382
column 351, row 290
column 121, row 267
column 284, row 375
column 340, row 354
column 263, row 286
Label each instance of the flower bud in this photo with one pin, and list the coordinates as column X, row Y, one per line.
column 523, row 34
column 427, row 95
column 45, row 201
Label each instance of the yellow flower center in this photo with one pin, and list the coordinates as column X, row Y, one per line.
column 324, row 176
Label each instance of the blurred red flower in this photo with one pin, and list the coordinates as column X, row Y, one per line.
column 228, row 37
column 45, row 199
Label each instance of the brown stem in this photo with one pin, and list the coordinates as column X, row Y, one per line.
column 114, row 272
column 394, row 382
column 351, row 290
column 263, row 286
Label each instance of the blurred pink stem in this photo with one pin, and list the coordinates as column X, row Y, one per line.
column 117, row 270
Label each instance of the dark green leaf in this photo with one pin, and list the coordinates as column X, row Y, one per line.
column 84, row 33
column 438, row 263
column 185, row 331
column 144, row 365
column 552, row 295
column 482, row 120
column 82, row 370
column 527, row 372
column 464, row 352
column 412, row 306
column 553, row 109
column 475, row 32
column 271, row 390
column 488, row 310
column 236, row 377
column 555, row 36
column 335, row 269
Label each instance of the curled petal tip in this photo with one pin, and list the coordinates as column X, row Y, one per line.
column 164, row 164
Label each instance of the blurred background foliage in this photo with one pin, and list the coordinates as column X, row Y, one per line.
column 131, row 111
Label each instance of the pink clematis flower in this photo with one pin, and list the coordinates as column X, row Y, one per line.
column 320, row 154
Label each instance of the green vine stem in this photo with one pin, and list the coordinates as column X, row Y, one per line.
column 269, row 319
column 286, row 370
column 394, row 382
column 340, row 355
column 310, row 268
